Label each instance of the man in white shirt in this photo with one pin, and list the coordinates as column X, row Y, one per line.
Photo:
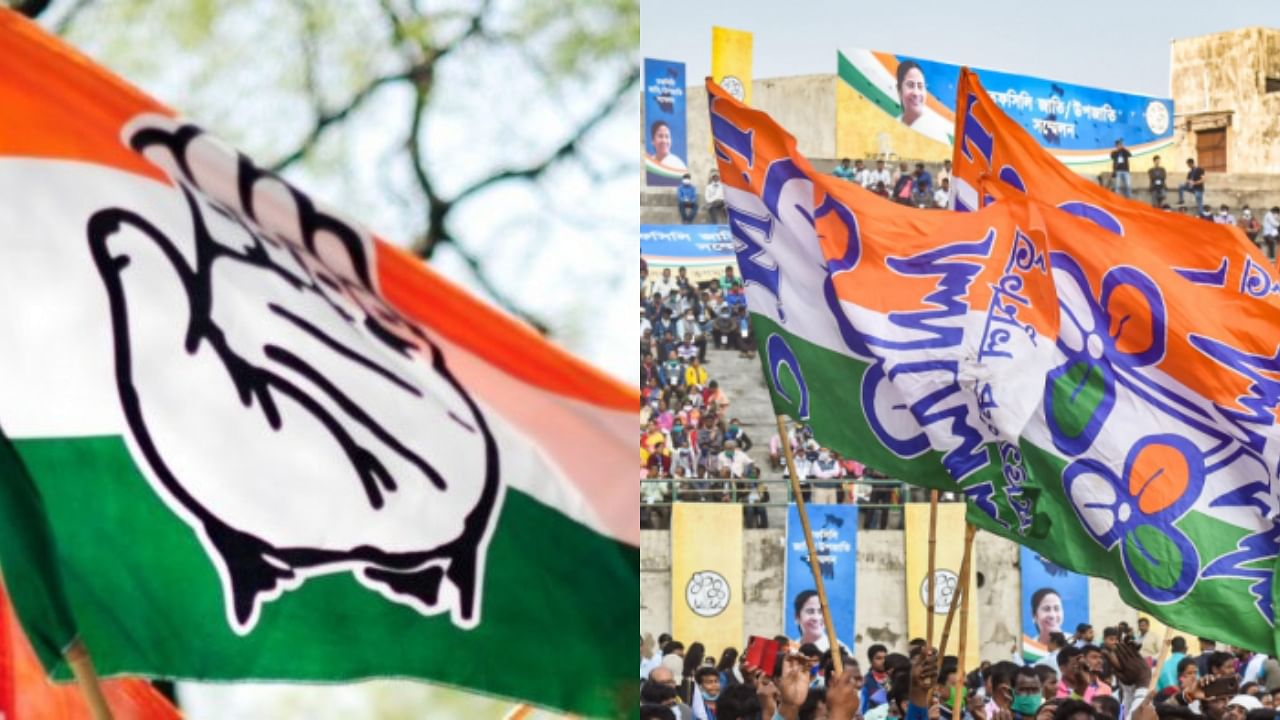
column 942, row 195
column 880, row 175
column 714, row 196
column 666, row 284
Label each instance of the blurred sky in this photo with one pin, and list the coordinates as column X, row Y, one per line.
column 1110, row 44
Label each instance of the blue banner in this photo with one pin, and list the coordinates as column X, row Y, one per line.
column 703, row 250
column 1053, row 600
column 835, row 536
column 895, row 97
column 665, row 136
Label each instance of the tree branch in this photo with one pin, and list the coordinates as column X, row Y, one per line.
column 566, row 149
column 477, row 270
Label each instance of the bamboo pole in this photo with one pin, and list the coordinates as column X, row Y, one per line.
column 964, row 620
column 969, row 531
column 77, row 656
column 933, row 543
column 832, row 640
column 1155, row 672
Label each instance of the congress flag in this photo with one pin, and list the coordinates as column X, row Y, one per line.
column 244, row 438
column 1109, row 404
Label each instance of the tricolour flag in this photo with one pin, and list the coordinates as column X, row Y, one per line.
column 1101, row 400
column 243, row 438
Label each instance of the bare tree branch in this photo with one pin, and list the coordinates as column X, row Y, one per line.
column 419, row 72
column 477, row 270
column 566, row 149
column 65, row 23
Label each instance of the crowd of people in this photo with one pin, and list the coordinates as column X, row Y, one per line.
column 1080, row 680
column 692, row 448
column 687, row 431
column 916, row 187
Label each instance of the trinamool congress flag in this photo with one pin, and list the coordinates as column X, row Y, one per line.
column 1105, row 401
column 243, row 438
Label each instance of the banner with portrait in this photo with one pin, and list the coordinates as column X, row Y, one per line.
column 950, row 553
column 902, row 107
column 703, row 250
column 835, row 538
column 1053, row 600
column 706, row 575
column 665, row 134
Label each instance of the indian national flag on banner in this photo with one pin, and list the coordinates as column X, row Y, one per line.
column 243, row 438
column 1108, row 401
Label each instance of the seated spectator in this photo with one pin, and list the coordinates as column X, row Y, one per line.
column 826, row 473
column 665, row 284
column 922, row 193
column 879, row 176
column 1249, row 224
column 714, row 397
column 687, row 199
column 754, row 494
column 734, row 460
column 945, row 173
column 695, row 374
column 880, row 189
column 729, row 279
column 687, row 351
column 653, row 493
column 714, row 196
column 646, row 327
column 745, row 341
column 904, row 186
column 844, row 170
column 1224, row 216
column 737, row 434
column 724, row 328
column 673, row 369
column 942, row 195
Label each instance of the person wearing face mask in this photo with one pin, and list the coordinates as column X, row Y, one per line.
column 1027, row 694
column 826, row 472
column 709, row 691
column 687, row 199
column 1224, row 216
column 1249, row 224
column 737, row 434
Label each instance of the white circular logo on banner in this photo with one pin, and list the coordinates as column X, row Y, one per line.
column 734, row 87
column 1157, row 117
column 707, row 593
column 944, row 589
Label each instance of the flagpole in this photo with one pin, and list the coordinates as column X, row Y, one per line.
column 77, row 656
column 969, row 530
column 933, row 542
column 834, row 642
column 1155, row 672
column 964, row 621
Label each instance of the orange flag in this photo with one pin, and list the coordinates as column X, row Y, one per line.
column 25, row 692
column 992, row 147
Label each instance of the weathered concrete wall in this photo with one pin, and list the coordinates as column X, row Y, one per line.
column 882, row 610
column 1222, row 78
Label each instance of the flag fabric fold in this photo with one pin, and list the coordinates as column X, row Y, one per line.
column 249, row 439
column 1103, row 401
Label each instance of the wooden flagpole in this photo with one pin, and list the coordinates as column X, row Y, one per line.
column 969, row 530
column 82, row 667
column 933, row 543
column 832, row 641
column 964, row 620
column 1155, row 672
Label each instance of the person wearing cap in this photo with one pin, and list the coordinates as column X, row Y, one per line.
column 714, row 197
column 1240, row 705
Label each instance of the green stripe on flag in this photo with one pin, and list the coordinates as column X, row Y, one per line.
column 148, row 599
column 836, row 414
column 862, row 84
